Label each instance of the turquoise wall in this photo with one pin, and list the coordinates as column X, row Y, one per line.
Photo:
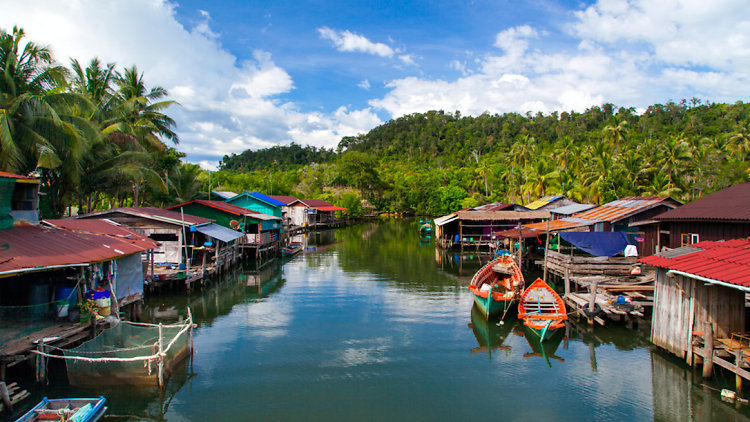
column 254, row 204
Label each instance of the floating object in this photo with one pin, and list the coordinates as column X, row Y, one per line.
column 73, row 410
column 293, row 249
column 491, row 284
column 728, row 394
column 542, row 309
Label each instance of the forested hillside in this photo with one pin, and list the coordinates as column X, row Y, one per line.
column 437, row 162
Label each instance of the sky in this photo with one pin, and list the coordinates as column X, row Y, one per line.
column 251, row 75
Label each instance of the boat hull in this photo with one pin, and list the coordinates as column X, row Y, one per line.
column 542, row 310
column 541, row 332
column 92, row 414
column 491, row 307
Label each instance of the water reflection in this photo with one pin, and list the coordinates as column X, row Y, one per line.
column 370, row 323
column 543, row 349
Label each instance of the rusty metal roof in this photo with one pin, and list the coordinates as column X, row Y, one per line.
column 728, row 261
column 611, row 212
column 503, row 215
column 37, row 247
column 495, row 206
column 24, row 179
column 101, row 227
column 732, row 203
column 151, row 213
column 314, row 203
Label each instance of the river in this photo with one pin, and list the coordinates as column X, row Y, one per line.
column 371, row 324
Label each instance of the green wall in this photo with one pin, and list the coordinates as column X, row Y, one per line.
column 254, row 204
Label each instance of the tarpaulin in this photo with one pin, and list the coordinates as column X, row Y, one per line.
column 598, row 243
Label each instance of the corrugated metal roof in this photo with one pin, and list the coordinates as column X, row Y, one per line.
column 331, row 208
column 503, row 215
column 24, row 179
column 43, row 246
column 312, row 203
column 572, row 209
column 513, row 233
column 732, row 203
column 495, row 206
column 728, row 262
column 445, row 219
column 229, row 208
column 266, row 198
column 151, row 213
column 102, row 227
column 542, row 202
column 611, row 212
column 224, row 194
column 286, row 200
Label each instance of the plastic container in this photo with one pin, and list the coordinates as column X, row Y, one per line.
column 105, row 311
column 66, row 294
column 97, row 294
column 62, row 308
column 102, row 303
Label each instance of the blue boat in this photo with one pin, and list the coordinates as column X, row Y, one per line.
column 69, row 410
column 293, row 249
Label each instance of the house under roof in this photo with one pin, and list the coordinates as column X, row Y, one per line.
column 39, row 248
column 611, row 213
column 228, row 208
column 286, row 200
column 730, row 204
column 267, row 199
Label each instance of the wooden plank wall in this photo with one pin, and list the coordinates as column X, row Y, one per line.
column 707, row 231
column 578, row 265
column 683, row 305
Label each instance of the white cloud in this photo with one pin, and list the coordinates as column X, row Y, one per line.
column 631, row 53
column 350, row 42
column 364, row 85
column 407, row 59
column 226, row 106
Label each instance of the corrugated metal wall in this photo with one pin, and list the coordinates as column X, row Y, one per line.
column 707, row 231
column 683, row 305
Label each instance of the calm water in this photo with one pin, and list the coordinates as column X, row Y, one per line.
column 373, row 324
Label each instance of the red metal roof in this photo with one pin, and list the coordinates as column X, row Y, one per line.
column 611, row 212
column 315, row 203
column 41, row 246
column 285, row 199
column 230, row 208
column 723, row 261
column 331, row 208
column 732, row 203
column 26, row 179
column 151, row 213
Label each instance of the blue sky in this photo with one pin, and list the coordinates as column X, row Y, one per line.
column 255, row 74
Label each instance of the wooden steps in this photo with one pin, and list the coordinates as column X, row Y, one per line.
column 16, row 395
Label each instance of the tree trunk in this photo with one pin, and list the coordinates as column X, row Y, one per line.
column 136, row 189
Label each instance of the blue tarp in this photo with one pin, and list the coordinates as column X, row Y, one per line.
column 598, row 243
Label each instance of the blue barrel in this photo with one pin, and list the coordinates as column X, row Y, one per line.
column 66, row 293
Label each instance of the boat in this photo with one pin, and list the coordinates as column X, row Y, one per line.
column 542, row 309
column 293, row 249
column 503, row 279
column 425, row 227
column 73, row 410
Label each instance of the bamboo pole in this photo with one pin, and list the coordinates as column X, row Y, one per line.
column 161, row 357
column 520, row 246
column 546, row 250
column 190, row 321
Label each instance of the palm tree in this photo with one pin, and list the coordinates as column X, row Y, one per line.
column 542, row 177
column 35, row 113
column 616, row 132
column 674, row 156
column 484, row 170
column 740, row 139
column 660, row 185
column 523, row 150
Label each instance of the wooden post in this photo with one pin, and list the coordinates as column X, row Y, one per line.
column 520, row 246
column 567, row 282
column 461, row 233
column 41, row 362
column 152, row 266
column 737, row 377
column 93, row 326
column 592, row 297
column 546, row 252
column 708, row 361
column 161, row 358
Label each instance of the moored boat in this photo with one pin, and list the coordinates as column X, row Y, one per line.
column 78, row 410
column 542, row 309
column 293, row 249
column 425, row 227
column 496, row 285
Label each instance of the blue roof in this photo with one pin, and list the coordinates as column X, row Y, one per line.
column 267, row 199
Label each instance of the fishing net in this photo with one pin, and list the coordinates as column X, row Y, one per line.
column 138, row 342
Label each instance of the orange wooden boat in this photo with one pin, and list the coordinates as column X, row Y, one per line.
column 503, row 278
column 542, row 309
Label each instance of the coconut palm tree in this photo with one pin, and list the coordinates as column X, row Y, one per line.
column 542, row 177
column 616, row 132
column 674, row 157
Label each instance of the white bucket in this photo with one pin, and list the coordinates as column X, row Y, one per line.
column 102, row 303
column 62, row 310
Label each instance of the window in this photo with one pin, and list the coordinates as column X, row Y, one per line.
column 688, row 239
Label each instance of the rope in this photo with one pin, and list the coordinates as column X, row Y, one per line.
column 155, row 356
